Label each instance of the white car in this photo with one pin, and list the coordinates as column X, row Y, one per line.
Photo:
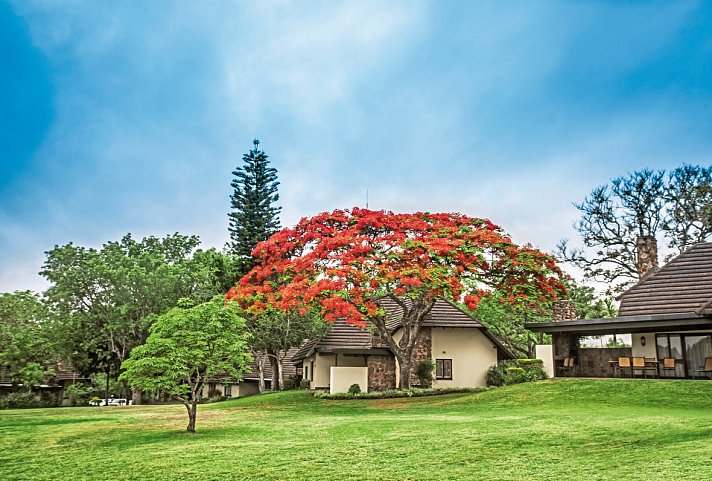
column 112, row 402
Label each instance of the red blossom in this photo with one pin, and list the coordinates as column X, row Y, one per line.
column 343, row 261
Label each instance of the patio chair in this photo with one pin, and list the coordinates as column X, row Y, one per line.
column 706, row 369
column 569, row 366
column 651, row 366
column 639, row 365
column 668, row 366
column 623, row 364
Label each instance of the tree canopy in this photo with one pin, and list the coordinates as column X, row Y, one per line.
column 185, row 348
column 27, row 347
column 344, row 262
column 106, row 298
column 645, row 203
column 253, row 217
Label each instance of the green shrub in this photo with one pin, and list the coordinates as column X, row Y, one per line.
column 78, row 394
column 529, row 363
column 393, row 393
column 515, row 372
column 424, row 370
column 354, row 389
column 22, row 400
column 292, row 382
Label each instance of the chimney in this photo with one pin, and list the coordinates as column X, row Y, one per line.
column 647, row 250
column 564, row 311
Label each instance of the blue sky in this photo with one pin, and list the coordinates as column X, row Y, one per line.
column 128, row 116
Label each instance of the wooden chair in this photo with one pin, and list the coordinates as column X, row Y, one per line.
column 706, row 370
column 651, row 365
column 668, row 366
column 624, row 363
column 569, row 366
column 639, row 365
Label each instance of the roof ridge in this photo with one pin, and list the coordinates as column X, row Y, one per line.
column 651, row 275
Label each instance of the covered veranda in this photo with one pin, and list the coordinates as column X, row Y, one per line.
column 684, row 338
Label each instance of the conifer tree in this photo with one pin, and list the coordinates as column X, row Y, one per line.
column 253, row 217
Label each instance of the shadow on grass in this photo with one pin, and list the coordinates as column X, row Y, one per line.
column 48, row 421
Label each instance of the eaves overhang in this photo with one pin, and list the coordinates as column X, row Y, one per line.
column 623, row 325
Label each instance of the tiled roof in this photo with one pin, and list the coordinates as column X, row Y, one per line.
column 443, row 314
column 683, row 285
column 344, row 336
column 340, row 336
column 289, row 369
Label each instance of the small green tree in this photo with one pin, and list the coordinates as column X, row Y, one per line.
column 185, row 347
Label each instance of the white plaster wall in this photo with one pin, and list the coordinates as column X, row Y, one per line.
column 648, row 350
column 343, row 377
column 322, row 367
column 545, row 352
column 472, row 354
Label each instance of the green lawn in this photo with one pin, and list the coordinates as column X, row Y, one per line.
column 562, row 430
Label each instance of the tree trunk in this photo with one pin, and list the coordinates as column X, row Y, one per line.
column 406, row 365
column 280, row 369
column 192, row 408
column 260, row 361
column 136, row 397
column 275, row 370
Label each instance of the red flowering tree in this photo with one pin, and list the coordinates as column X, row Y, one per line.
column 342, row 263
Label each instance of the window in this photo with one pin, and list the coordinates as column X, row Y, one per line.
column 228, row 390
column 306, row 372
column 443, row 369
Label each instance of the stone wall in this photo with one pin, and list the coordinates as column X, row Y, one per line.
column 593, row 362
column 423, row 349
column 565, row 345
column 381, row 372
column 647, row 251
column 564, row 311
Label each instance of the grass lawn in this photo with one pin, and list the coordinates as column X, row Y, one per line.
column 552, row 430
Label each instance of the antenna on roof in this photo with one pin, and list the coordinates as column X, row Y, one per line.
column 367, row 198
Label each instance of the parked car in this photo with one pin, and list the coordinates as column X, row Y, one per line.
column 112, row 402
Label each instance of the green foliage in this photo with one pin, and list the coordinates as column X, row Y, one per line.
column 424, row 370
column 185, row 348
column 22, row 400
column 79, row 394
column 354, row 389
column 397, row 393
column 588, row 304
column 27, row 344
column 274, row 332
column 515, row 372
column 105, row 299
column 292, row 382
column 506, row 322
column 253, row 216
column 98, row 382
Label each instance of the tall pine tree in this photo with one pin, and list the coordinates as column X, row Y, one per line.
column 254, row 217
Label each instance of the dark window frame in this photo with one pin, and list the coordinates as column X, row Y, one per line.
column 440, row 368
column 683, row 349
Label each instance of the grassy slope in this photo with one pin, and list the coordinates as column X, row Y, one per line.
column 567, row 429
